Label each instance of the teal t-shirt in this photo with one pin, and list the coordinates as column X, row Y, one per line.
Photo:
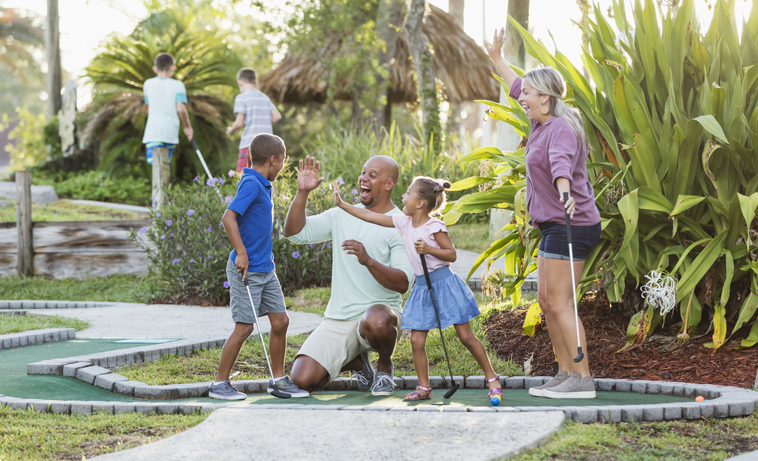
column 161, row 96
column 354, row 289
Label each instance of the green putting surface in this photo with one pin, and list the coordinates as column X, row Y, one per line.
column 465, row 398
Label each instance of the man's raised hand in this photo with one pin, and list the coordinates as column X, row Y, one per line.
column 307, row 177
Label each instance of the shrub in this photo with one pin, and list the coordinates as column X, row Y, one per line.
column 96, row 185
column 188, row 249
column 27, row 147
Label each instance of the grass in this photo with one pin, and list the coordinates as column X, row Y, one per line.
column 66, row 210
column 116, row 288
column 251, row 364
column 714, row 439
column 473, row 237
column 19, row 323
column 30, row 435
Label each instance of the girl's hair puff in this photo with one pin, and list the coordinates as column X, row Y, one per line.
column 432, row 191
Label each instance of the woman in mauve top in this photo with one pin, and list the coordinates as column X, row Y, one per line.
column 556, row 154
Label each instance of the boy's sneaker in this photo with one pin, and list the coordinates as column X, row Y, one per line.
column 365, row 377
column 383, row 384
column 225, row 391
column 287, row 386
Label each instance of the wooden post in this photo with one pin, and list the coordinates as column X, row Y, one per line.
column 53, row 58
column 161, row 175
column 25, row 254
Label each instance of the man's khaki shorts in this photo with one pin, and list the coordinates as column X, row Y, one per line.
column 335, row 343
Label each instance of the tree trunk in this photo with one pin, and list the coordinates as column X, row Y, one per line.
column 425, row 80
column 584, row 6
column 454, row 124
column 53, row 56
column 389, row 19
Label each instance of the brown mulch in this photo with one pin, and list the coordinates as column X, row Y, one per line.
column 660, row 358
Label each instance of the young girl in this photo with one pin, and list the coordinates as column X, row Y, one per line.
column 424, row 235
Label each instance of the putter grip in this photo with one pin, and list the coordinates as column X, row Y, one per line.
column 568, row 219
column 194, row 144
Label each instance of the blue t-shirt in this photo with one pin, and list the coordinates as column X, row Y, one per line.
column 161, row 96
column 256, row 220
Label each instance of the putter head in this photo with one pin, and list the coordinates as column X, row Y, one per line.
column 580, row 355
column 452, row 390
column 280, row 394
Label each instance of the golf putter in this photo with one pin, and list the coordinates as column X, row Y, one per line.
column 276, row 392
column 205, row 166
column 579, row 354
column 454, row 387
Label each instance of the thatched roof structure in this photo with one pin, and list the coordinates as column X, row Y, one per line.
column 459, row 63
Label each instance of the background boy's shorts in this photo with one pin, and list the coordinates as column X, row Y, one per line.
column 554, row 243
column 335, row 343
column 242, row 160
column 265, row 289
column 151, row 145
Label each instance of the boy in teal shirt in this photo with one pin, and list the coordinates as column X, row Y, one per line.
column 165, row 98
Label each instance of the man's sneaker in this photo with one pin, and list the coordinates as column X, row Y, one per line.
column 365, row 377
column 539, row 391
column 575, row 387
column 383, row 384
column 225, row 391
column 287, row 386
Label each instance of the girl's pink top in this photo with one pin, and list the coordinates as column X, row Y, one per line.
column 551, row 153
column 404, row 224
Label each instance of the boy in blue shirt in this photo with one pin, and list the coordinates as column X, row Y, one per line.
column 249, row 224
column 165, row 99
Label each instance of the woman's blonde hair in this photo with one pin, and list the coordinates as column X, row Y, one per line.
column 547, row 80
column 432, row 191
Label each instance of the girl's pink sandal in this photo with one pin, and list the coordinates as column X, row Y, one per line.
column 496, row 391
column 415, row 395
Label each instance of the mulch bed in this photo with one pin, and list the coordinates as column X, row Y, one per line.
column 659, row 359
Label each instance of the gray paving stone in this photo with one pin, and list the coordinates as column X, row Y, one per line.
column 639, row 387
column 103, row 407
column 679, row 390
column 88, row 374
column 146, row 408
column 584, row 415
column 48, row 337
column 323, row 407
column 69, row 370
column 432, row 408
column 6, row 343
column 672, row 411
column 168, row 408
column 741, row 409
column 476, row 382
column 632, row 413
column 156, row 392
column 609, row 414
column 653, row 387
column 339, row 384
column 192, row 390
column 123, row 407
column 690, row 411
column 39, row 405
column 515, row 382
column 403, row 409
column 530, row 382
column 503, row 379
column 452, row 409
column 256, row 386
column 190, row 409
column 481, row 410
column 127, row 387
column 120, row 360
column 376, row 408
column 410, row 382
column 23, row 340
column 707, row 410
column 61, row 407
column 721, row 410
column 17, row 404
column 691, row 391
column 505, row 409
column 111, row 361
column 398, row 380
column 107, row 381
column 82, row 408
column 459, row 379
column 437, row 382
column 623, row 385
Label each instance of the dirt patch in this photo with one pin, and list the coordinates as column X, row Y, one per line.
column 138, row 437
column 659, row 359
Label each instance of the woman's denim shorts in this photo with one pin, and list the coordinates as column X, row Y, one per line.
column 554, row 244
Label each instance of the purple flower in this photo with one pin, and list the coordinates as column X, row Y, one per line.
column 208, row 229
column 192, row 260
column 228, row 200
column 295, row 254
column 200, row 218
column 190, row 212
column 168, row 223
column 221, row 180
column 143, row 230
column 226, row 284
column 209, row 255
column 196, row 179
column 310, row 245
column 182, row 226
column 355, row 199
column 354, row 192
column 154, row 203
column 171, row 234
column 163, row 237
column 340, row 181
column 158, row 215
column 231, row 173
column 211, row 182
column 177, row 260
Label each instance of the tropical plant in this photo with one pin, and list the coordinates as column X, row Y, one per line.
column 673, row 127
column 20, row 33
column 342, row 154
column 28, row 146
column 116, row 117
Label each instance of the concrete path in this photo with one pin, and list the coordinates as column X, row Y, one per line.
column 127, row 320
column 240, row 433
column 115, row 206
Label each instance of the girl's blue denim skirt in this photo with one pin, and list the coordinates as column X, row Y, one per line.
column 554, row 244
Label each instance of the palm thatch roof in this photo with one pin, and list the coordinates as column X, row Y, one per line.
column 459, row 63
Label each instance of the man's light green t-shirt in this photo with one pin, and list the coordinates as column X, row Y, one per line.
column 354, row 289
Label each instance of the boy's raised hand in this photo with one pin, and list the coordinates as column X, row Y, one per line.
column 337, row 199
column 307, row 176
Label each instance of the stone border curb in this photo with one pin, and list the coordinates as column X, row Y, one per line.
column 32, row 304
column 31, row 337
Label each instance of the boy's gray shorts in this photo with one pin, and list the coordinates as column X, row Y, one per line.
column 264, row 288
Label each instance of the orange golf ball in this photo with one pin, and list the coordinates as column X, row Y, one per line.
column 699, row 398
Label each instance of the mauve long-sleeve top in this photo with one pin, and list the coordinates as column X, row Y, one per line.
column 552, row 152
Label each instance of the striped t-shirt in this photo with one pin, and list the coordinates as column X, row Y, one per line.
column 257, row 108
